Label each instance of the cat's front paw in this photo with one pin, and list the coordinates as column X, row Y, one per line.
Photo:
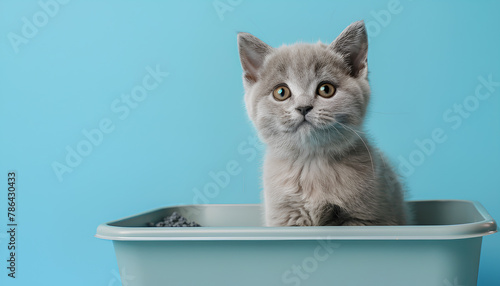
column 299, row 219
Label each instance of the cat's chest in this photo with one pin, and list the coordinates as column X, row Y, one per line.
column 310, row 178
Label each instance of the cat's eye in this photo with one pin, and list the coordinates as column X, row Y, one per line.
column 325, row 90
column 281, row 93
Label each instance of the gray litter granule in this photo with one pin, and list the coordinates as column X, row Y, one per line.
column 174, row 220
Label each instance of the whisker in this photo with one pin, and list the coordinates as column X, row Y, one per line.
column 338, row 131
column 364, row 143
column 390, row 113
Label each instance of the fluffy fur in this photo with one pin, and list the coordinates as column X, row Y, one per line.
column 320, row 168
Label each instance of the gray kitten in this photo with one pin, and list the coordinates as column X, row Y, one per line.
column 308, row 103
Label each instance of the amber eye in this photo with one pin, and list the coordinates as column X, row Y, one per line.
column 281, row 93
column 326, row 90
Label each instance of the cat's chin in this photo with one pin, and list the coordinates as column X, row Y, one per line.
column 323, row 136
column 304, row 125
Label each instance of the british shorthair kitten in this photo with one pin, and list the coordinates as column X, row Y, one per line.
column 308, row 103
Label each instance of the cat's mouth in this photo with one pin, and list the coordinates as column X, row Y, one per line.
column 303, row 124
column 304, row 121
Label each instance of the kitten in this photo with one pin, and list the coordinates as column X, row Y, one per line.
column 308, row 103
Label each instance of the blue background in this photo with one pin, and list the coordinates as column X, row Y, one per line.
column 423, row 59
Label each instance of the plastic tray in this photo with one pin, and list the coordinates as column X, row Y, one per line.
column 233, row 248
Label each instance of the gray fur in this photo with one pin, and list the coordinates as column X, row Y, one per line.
column 323, row 171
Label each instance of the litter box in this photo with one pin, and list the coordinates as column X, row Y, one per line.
column 233, row 247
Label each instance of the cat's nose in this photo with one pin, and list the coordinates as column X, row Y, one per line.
column 304, row 109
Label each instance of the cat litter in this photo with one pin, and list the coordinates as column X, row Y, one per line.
column 174, row 220
column 234, row 248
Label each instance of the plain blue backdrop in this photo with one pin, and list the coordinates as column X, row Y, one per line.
column 67, row 68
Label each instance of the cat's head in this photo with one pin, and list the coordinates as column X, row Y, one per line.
column 306, row 94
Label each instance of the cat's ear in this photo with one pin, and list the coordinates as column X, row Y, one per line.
column 252, row 54
column 352, row 44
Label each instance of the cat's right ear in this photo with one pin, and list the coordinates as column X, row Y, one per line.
column 252, row 54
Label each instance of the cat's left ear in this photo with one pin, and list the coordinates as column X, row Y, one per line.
column 252, row 54
column 352, row 44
